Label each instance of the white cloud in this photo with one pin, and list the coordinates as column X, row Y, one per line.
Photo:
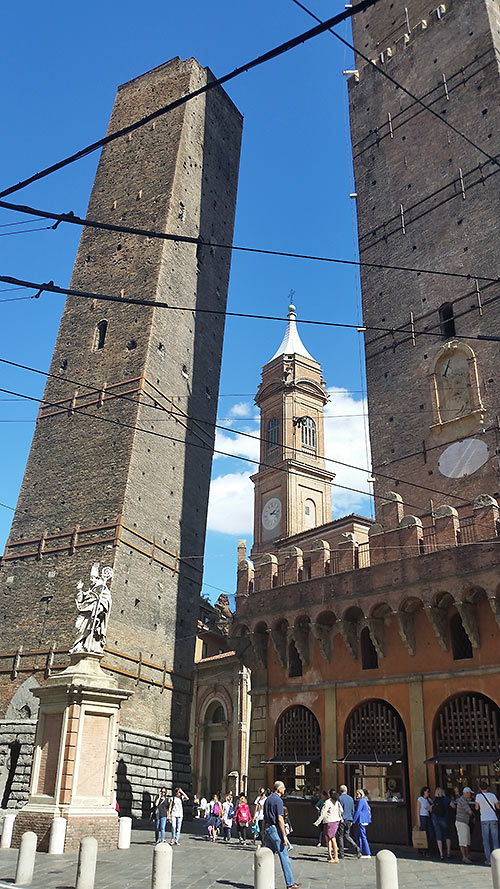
column 230, row 507
column 242, row 409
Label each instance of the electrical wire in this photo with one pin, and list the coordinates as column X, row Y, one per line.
column 50, row 287
column 72, row 219
column 211, row 84
column 225, row 429
column 399, row 86
column 26, row 231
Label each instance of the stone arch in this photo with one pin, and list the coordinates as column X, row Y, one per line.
column 352, row 623
column 437, row 612
column 466, row 730
column 279, row 638
column 375, row 624
column 323, row 628
column 301, row 635
column 213, row 702
column 405, row 616
column 456, row 396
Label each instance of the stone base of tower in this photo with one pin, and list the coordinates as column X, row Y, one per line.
column 103, row 827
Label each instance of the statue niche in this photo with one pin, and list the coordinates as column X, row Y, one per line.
column 458, row 409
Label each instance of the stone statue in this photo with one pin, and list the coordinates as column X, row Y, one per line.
column 94, row 606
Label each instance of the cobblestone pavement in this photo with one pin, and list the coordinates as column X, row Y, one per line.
column 198, row 864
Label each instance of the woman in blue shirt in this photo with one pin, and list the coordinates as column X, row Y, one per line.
column 362, row 817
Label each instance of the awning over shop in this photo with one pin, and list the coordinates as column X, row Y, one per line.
column 369, row 759
column 463, row 758
column 287, row 761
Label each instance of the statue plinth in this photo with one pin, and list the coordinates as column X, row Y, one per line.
column 75, row 755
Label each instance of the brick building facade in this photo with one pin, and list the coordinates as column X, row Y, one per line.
column 117, row 473
column 374, row 645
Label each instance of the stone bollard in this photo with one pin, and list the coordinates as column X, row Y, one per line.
column 161, row 877
column 57, row 836
column 495, row 868
column 387, row 870
column 8, row 827
column 26, row 859
column 124, row 833
column 87, row 858
column 263, row 868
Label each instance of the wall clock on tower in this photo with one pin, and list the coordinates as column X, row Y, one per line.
column 271, row 513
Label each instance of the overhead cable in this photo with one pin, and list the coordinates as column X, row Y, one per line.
column 50, row 287
column 211, row 84
column 72, row 219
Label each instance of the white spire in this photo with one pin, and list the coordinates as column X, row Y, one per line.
column 292, row 343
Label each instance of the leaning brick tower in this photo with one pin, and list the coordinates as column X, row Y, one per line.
column 119, row 471
column 427, row 199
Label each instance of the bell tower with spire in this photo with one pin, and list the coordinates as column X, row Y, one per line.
column 292, row 486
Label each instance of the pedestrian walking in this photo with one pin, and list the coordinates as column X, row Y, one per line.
column 213, row 818
column 274, row 832
column 362, row 817
column 288, row 827
column 462, row 823
column 258, row 815
column 344, row 832
column 160, row 809
column 331, row 816
column 318, row 806
column 440, row 821
column 424, row 820
column 227, row 817
column 175, row 814
column 487, row 805
column 243, row 817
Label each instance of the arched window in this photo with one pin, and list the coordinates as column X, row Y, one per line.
column 467, row 741
column 100, row 336
column 369, row 656
column 218, row 715
column 297, row 751
column 309, row 514
column 446, row 321
column 272, row 433
column 308, row 433
column 460, row 642
column 294, row 661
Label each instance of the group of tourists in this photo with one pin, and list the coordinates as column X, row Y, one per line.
column 338, row 812
column 434, row 817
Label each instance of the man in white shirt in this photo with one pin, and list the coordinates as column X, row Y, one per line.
column 487, row 804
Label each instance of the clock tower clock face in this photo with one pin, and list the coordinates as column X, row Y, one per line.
column 271, row 513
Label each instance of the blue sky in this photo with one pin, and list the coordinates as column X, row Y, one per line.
column 60, row 66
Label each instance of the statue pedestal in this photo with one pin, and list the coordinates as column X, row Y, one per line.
column 74, row 760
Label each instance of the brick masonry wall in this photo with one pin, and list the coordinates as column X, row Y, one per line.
column 16, row 751
column 404, row 157
column 178, row 175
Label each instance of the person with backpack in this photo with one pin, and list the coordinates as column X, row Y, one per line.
column 441, row 822
column 243, row 817
column 214, row 817
column 487, row 805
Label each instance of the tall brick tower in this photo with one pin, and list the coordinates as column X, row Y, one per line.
column 120, row 463
column 428, row 199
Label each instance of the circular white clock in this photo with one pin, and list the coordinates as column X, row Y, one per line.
column 271, row 513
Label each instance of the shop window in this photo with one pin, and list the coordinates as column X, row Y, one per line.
column 297, row 749
column 446, row 321
column 369, row 656
column 375, row 748
column 272, row 434
column 308, row 433
column 294, row 661
column 460, row 642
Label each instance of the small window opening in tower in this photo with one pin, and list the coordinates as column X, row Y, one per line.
column 272, row 434
column 100, row 335
column 446, row 321
column 308, row 433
